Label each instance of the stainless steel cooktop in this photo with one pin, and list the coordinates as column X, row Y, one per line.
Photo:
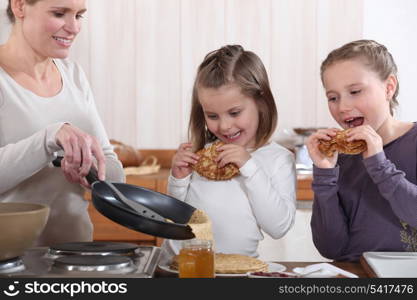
column 91, row 259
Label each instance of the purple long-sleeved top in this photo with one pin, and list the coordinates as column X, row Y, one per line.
column 367, row 204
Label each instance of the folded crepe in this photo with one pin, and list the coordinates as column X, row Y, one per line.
column 340, row 144
column 208, row 167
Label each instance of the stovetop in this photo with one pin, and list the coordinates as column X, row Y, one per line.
column 44, row 262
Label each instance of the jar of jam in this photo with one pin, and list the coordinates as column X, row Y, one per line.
column 196, row 259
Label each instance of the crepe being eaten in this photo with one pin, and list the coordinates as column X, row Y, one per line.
column 340, row 144
column 208, row 167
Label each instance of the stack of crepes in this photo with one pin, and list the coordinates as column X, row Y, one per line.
column 340, row 144
column 232, row 264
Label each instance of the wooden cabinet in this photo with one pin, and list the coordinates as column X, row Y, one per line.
column 304, row 191
column 156, row 182
column 107, row 230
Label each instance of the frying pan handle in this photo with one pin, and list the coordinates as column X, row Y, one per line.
column 91, row 177
column 57, row 161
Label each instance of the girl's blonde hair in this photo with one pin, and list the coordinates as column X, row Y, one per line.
column 375, row 56
column 232, row 64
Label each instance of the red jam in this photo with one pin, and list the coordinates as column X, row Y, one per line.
column 273, row 274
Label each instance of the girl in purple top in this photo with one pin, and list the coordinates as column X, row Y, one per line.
column 365, row 202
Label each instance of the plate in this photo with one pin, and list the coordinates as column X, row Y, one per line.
column 392, row 264
column 272, row 267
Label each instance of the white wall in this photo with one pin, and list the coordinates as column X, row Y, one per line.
column 296, row 245
column 394, row 24
column 141, row 56
column 150, row 49
column 4, row 23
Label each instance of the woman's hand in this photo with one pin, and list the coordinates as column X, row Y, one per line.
column 373, row 140
column 80, row 150
column 182, row 161
column 319, row 159
column 72, row 173
column 231, row 153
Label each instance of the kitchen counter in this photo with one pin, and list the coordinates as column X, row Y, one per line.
column 355, row 268
column 304, row 191
column 305, row 194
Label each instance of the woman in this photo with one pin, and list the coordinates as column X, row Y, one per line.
column 47, row 107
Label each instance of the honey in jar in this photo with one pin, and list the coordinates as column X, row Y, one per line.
column 196, row 259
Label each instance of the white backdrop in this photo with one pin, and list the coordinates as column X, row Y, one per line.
column 395, row 25
column 141, row 55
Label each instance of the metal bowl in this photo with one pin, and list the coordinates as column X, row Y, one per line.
column 305, row 131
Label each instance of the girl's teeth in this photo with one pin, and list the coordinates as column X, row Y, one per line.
column 233, row 136
column 354, row 122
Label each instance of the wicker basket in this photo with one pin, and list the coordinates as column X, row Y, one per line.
column 148, row 166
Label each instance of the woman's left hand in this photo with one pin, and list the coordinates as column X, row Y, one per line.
column 231, row 153
column 72, row 173
column 373, row 140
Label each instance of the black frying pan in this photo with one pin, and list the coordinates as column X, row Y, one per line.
column 144, row 210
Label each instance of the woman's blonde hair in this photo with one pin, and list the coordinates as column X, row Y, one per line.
column 10, row 13
column 232, row 64
column 375, row 56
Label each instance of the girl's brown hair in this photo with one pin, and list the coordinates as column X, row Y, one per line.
column 10, row 13
column 375, row 56
column 232, row 64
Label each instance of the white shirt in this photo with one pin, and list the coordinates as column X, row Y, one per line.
column 28, row 125
column 262, row 197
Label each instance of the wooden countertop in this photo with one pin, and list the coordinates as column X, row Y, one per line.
column 157, row 181
column 355, row 268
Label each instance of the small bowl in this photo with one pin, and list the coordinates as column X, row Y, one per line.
column 21, row 224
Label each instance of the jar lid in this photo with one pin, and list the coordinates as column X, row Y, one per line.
column 197, row 244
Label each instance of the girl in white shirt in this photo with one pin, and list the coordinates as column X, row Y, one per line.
column 232, row 102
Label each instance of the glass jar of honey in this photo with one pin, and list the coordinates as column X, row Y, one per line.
column 196, row 259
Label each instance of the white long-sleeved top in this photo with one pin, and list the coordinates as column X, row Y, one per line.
column 261, row 198
column 28, row 125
